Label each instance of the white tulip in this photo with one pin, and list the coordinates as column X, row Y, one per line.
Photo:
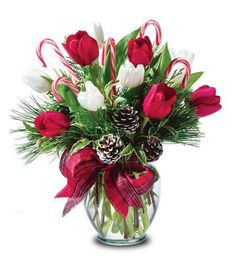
column 33, row 77
column 182, row 54
column 91, row 99
column 98, row 34
column 131, row 76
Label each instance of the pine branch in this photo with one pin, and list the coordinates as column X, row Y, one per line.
column 28, row 111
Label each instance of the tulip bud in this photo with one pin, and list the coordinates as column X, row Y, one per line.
column 91, row 99
column 98, row 34
column 33, row 77
column 205, row 101
column 131, row 76
column 159, row 101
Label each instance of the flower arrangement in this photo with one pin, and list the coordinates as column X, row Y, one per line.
column 107, row 117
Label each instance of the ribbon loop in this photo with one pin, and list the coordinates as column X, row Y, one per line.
column 122, row 190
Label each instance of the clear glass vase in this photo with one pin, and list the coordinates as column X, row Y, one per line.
column 112, row 229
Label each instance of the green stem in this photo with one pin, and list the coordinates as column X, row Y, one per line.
column 97, row 194
column 143, row 124
column 126, row 231
column 136, row 219
column 144, row 215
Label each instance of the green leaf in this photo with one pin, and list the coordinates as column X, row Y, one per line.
column 193, row 78
column 119, row 100
column 131, row 94
column 140, row 155
column 156, row 60
column 128, row 150
column 92, row 122
column 121, row 55
column 165, row 60
column 121, row 48
column 95, row 143
column 79, row 145
column 85, row 119
column 107, row 89
column 30, row 128
column 44, row 144
column 101, row 117
column 47, row 79
column 69, row 97
column 96, row 74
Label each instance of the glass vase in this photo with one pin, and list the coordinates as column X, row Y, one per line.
column 112, row 229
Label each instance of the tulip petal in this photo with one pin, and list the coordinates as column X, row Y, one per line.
column 207, row 100
column 51, row 123
column 140, row 56
column 88, row 50
column 203, row 91
column 72, row 55
column 205, row 110
column 162, row 111
column 140, row 51
column 74, row 45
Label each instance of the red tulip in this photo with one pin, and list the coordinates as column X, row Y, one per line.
column 205, row 101
column 82, row 48
column 159, row 101
column 51, row 123
column 140, row 51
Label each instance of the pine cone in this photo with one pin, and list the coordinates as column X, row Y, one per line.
column 126, row 119
column 109, row 148
column 152, row 147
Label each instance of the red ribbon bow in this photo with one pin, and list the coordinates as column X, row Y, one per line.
column 122, row 189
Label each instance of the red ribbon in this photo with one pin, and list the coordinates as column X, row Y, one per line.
column 122, row 189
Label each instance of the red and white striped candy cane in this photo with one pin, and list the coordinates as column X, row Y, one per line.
column 156, row 27
column 62, row 80
column 187, row 70
column 59, row 54
column 110, row 42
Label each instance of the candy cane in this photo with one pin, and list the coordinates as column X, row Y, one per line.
column 62, row 80
column 59, row 54
column 156, row 27
column 187, row 70
column 110, row 42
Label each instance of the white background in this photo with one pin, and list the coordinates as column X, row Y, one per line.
column 196, row 220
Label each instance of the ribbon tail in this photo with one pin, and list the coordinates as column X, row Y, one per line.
column 120, row 192
column 70, row 204
column 62, row 193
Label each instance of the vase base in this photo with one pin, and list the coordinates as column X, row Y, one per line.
column 120, row 242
